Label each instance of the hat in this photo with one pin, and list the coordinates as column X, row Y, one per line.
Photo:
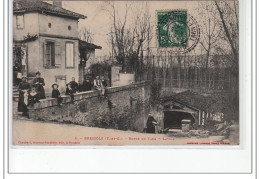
column 150, row 113
column 54, row 85
column 37, row 73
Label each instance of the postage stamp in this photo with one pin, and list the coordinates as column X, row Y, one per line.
column 178, row 30
column 116, row 73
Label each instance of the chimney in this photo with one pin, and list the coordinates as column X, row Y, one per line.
column 57, row 3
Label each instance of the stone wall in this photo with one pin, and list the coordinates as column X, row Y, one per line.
column 125, row 107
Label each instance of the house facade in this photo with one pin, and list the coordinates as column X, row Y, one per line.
column 45, row 39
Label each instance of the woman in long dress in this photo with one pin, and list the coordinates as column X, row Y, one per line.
column 39, row 83
column 151, row 123
column 23, row 88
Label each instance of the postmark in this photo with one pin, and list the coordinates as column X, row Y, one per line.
column 177, row 31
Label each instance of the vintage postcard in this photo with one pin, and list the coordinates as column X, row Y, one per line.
column 121, row 73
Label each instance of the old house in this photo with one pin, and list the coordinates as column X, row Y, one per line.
column 45, row 39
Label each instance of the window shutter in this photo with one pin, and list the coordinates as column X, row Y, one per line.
column 69, row 55
column 58, row 54
column 43, row 54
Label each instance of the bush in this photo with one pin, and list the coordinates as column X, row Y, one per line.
column 115, row 120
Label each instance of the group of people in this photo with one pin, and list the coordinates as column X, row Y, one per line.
column 87, row 85
column 31, row 94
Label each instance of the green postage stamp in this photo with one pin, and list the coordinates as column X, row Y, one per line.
column 172, row 28
column 178, row 30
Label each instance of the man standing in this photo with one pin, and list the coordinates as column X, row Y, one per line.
column 151, row 122
column 38, row 82
column 74, row 85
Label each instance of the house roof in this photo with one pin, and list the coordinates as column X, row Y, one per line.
column 88, row 46
column 193, row 100
column 22, row 6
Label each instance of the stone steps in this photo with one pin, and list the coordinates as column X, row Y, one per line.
column 15, row 93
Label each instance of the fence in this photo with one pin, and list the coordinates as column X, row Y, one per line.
column 191, row 78
column 187, row 72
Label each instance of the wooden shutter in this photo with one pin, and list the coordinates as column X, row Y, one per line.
column 57, row 54
column 43, row 54
column 69, row 55
column 52, row 54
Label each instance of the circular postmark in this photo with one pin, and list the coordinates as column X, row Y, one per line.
column 178, row 31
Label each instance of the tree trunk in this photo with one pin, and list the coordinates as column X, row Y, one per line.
column 179, row 72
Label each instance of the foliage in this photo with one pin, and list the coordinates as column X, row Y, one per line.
column 116, row 120
column 100, row 69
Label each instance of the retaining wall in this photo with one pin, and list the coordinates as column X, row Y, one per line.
column 124, row 107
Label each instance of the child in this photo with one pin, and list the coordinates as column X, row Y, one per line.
column 69, row 91
column 56, row 93
column 33, row 97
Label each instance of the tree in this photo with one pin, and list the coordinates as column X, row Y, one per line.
column 85, row 36
column 228, row 13
column 211, row 30
column 129, row 34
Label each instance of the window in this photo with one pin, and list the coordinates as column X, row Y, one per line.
column 49, row 25
column 50, row 54
column 19, row 22
column 69, row 27
column 69, row 55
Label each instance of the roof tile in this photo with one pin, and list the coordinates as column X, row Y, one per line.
column 40, row 6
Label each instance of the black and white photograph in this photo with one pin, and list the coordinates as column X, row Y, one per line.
column 124, row 73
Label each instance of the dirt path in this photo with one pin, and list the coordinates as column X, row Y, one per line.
column 28, row 132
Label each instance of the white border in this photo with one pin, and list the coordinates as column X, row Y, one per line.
column 228, row 160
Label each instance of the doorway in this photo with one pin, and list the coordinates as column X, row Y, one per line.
column 172, row 119
column 20, row 58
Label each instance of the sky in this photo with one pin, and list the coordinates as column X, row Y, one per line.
column 99, row 20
